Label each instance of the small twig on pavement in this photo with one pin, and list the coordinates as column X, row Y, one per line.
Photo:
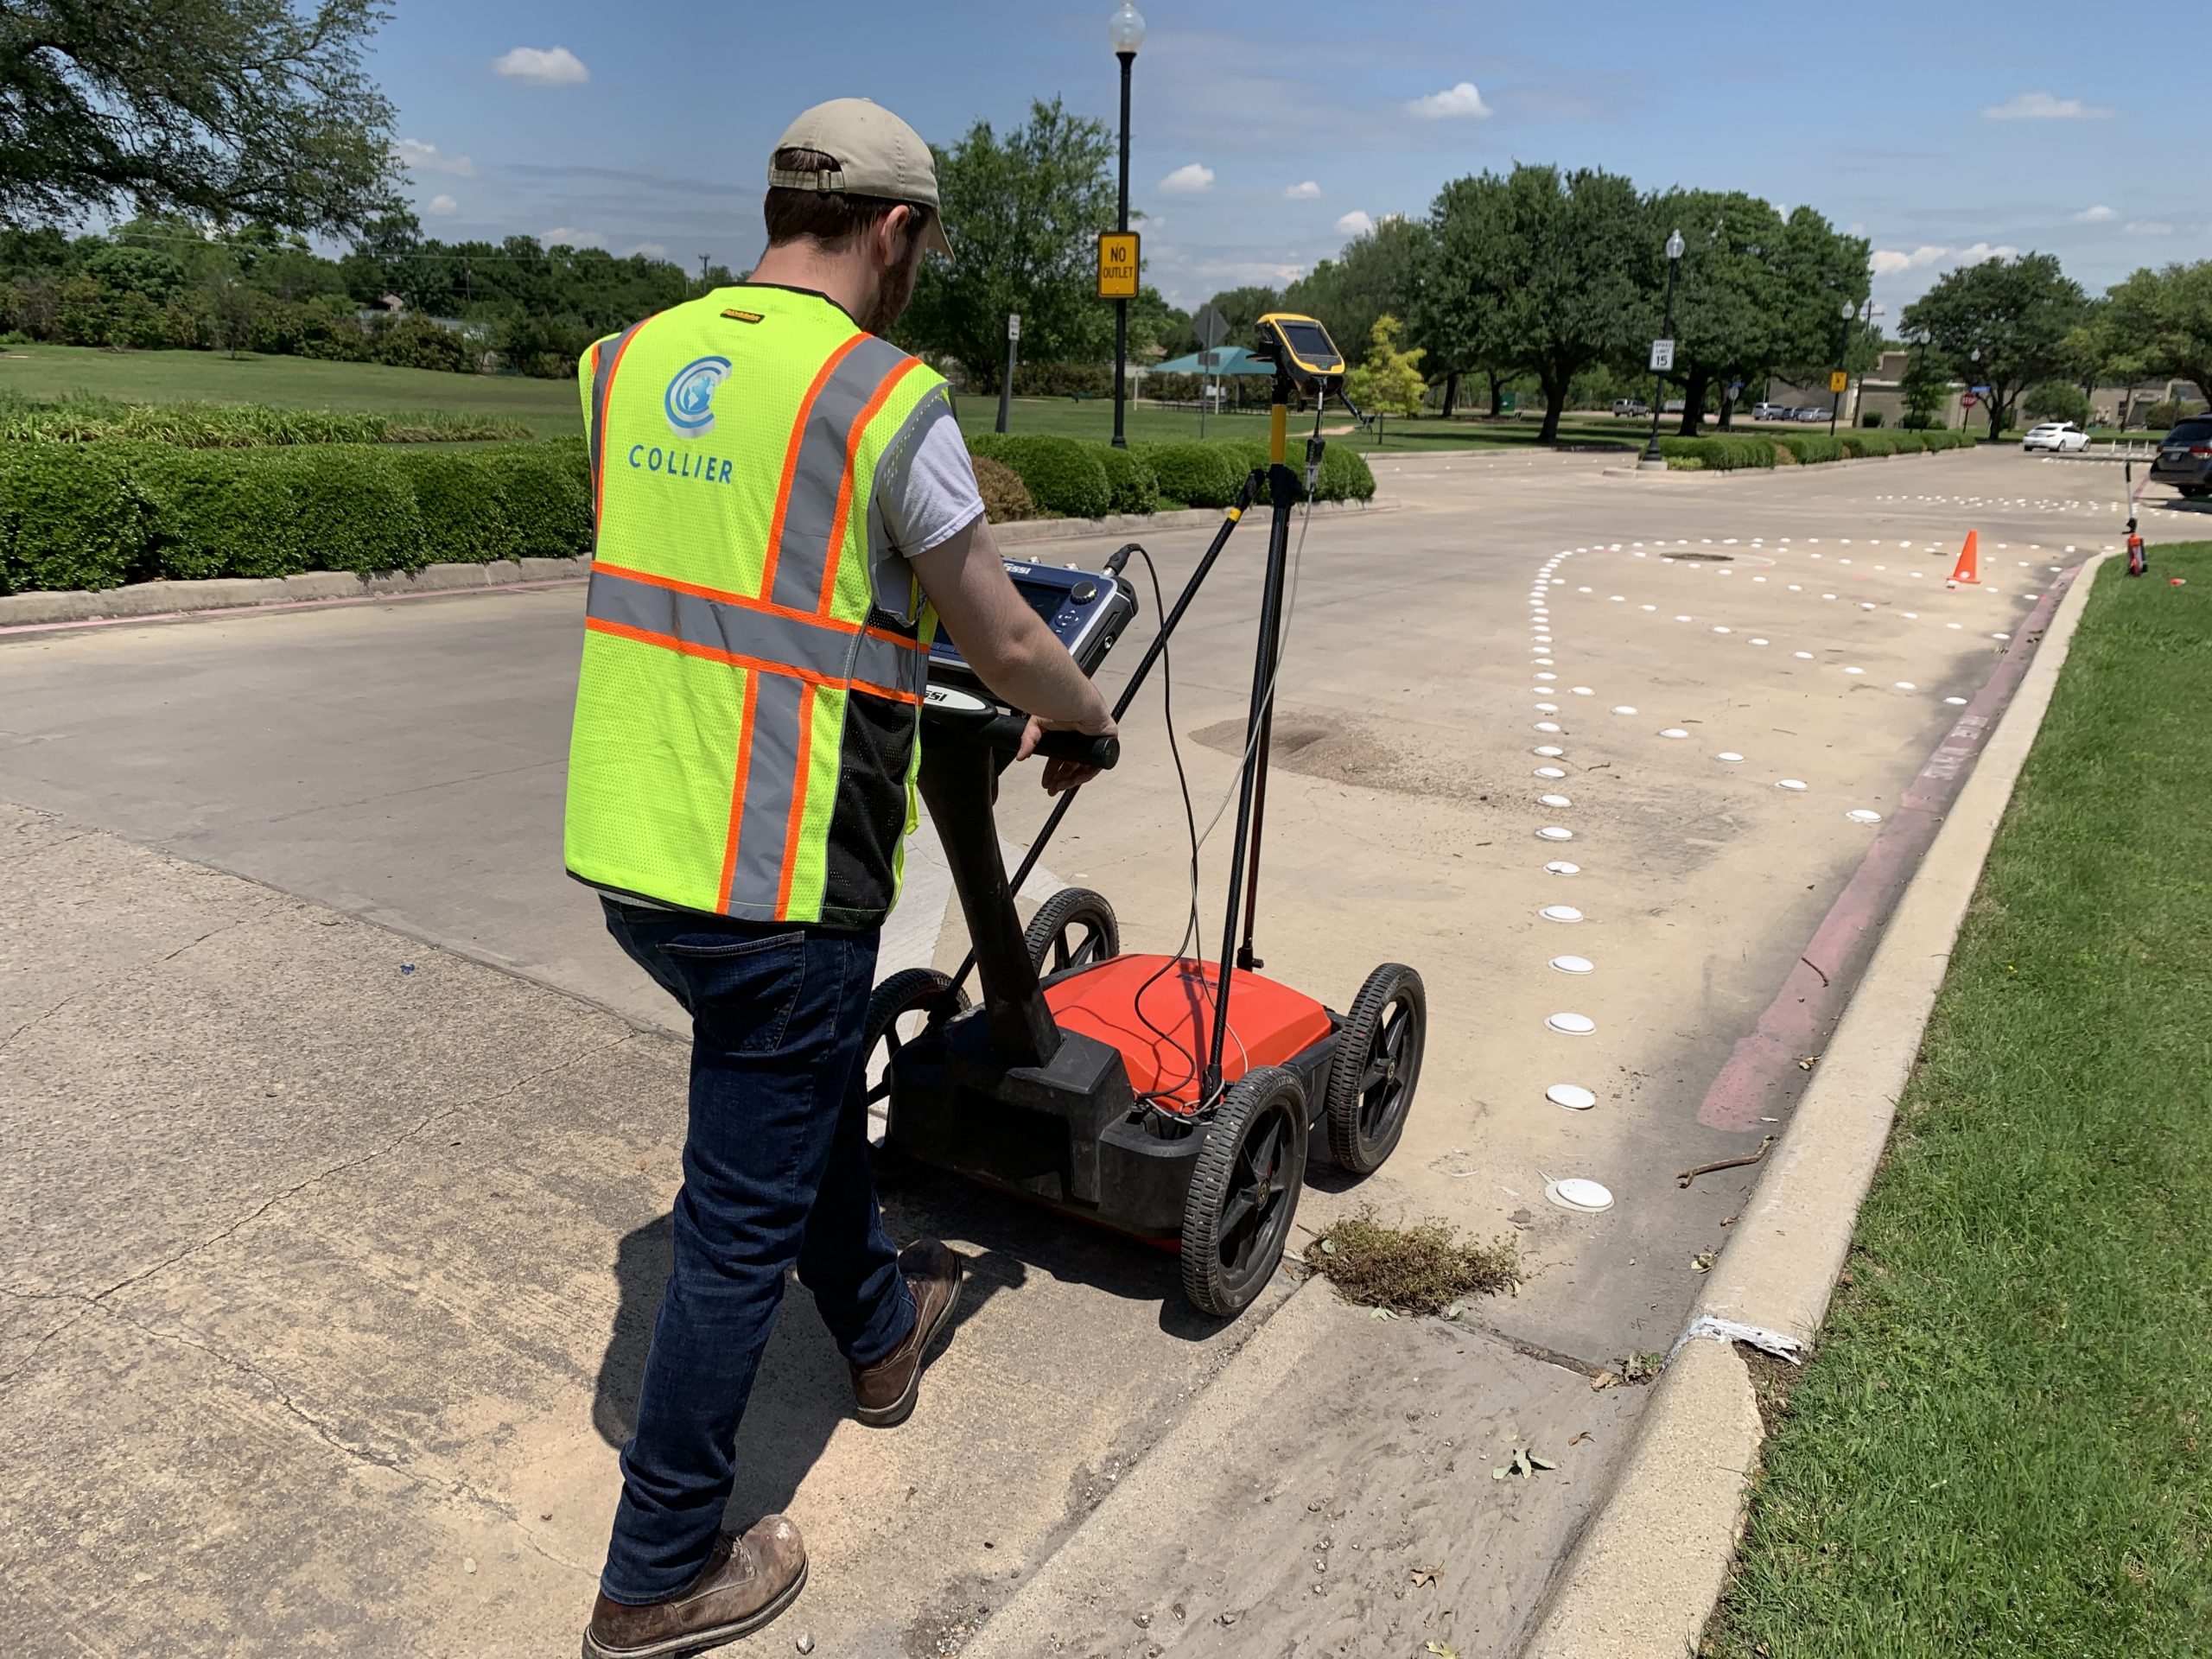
column 1689, row 1175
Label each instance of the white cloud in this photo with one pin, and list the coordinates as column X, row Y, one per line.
column 1306, row 191
column 556, row 67
column 568, row 236
column 1460, row 103
column 1895, row 261
column 1355, row 223
column 2042, row 106
column 1189, row 179
column 651, row 250
column 419, row 157
column 442, row 207
column 2096, row 215
column 1890, row 262
column 2148, row 227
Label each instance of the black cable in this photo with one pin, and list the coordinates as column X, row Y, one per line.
column 1154, row 1098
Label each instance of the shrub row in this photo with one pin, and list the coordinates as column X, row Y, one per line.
column 100, row 515
column 1077, row 479
column 1728, row 452
column 221, row 426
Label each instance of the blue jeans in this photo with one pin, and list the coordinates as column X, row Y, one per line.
column 775, row 1173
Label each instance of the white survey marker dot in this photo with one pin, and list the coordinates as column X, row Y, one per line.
column 1551, row 772
column 1571, row 1024
column 1554, row 800
column 1549, row 751
column 1673, row 731
column 1559, row 914
column 1588, row 1197
column 1573, row 964
column 1554, row 832
column 1729, row 755
column 1860, row 814
column 1791, row 783
column 1561, row 866
column 1573, row 1096
column 1547, row 726
column 1956, row 702
column 1625, row 708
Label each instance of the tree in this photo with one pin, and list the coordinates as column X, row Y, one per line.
column 1243, row 307
column 2057, row 400
column 1389, row 382
column 1153, row 323
column 1926, row 387
column 1557, row 265
column 1023, row 212
column 229, row 110
column 1459, row 320
column 2164, row 320
column 2013, row 312
column 1374, row 277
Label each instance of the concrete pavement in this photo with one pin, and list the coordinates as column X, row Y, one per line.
column 402, row 764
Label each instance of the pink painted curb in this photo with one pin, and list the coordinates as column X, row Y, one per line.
column 1764, row 1063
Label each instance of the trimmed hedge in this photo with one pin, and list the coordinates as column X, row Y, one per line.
column 1135, row 488
column 1062, row 475
column 1808, row 447
column 84, row 418
column 1724, row 452
column 1196, row 474
column 1005, row 496
column 100, row 515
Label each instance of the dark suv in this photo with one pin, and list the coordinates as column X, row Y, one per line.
column 2185, row 458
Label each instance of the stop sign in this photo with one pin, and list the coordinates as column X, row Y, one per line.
column 1966, row 400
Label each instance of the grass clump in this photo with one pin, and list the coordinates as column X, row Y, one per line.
column 1423, row 1269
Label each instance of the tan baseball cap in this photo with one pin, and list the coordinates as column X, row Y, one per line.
column 877, row 154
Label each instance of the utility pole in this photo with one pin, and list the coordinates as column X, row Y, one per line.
column 702, row 273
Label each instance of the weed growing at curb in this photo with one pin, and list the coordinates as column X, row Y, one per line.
column 1424, row 1268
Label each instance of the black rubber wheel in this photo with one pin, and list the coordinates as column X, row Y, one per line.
column 1074, row 928
column 1244, row 1191
column 888, row 1027
column 1377, row 1065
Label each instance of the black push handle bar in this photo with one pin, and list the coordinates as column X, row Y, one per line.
column 1003, row 733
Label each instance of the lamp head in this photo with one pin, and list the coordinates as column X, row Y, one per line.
column 1125, row 29
column 1675, row 245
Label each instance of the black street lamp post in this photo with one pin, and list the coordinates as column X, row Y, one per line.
column 1127, row 29
column 1651, row 455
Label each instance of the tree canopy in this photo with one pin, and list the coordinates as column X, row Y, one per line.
column 2163, row 321
column 1375, row 276
column 2001, row 324
column 232, row 110
column 1024, row 211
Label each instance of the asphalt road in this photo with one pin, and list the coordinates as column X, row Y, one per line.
column 401, row 763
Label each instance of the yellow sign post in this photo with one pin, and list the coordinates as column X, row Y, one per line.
column 1118, row 265
column 1838, row 380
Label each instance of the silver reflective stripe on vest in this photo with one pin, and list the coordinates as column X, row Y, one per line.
column 804, row 553
column 760, row 636
column 602, row 376
column 891, row 581
column 771, row 770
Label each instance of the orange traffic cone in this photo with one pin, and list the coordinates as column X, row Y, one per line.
column 1968, row 567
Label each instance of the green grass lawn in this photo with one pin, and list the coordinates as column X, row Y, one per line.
column 549, row 407
column 2004, row 1444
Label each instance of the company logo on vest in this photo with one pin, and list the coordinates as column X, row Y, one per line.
column 690, row 399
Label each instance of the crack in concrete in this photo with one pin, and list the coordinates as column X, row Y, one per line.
column 39, row 1019
column 231, row 1229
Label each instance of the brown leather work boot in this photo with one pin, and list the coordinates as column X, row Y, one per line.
column 746, row 1583
column 887, row 1389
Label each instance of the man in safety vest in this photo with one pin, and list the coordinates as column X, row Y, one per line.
column 785, row 511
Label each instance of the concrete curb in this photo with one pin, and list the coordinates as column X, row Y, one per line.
column 1642, row 1579
column 145, row 600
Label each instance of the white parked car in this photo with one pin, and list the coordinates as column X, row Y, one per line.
column 2063, row 437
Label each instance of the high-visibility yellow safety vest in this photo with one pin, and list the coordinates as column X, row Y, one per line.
column 755, row 650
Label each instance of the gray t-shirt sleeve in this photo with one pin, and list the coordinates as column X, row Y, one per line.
column 925, row 485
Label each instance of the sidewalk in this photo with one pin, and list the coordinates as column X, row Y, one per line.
column 334, row 1259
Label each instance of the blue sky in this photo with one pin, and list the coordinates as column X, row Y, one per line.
column 1262, row 134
